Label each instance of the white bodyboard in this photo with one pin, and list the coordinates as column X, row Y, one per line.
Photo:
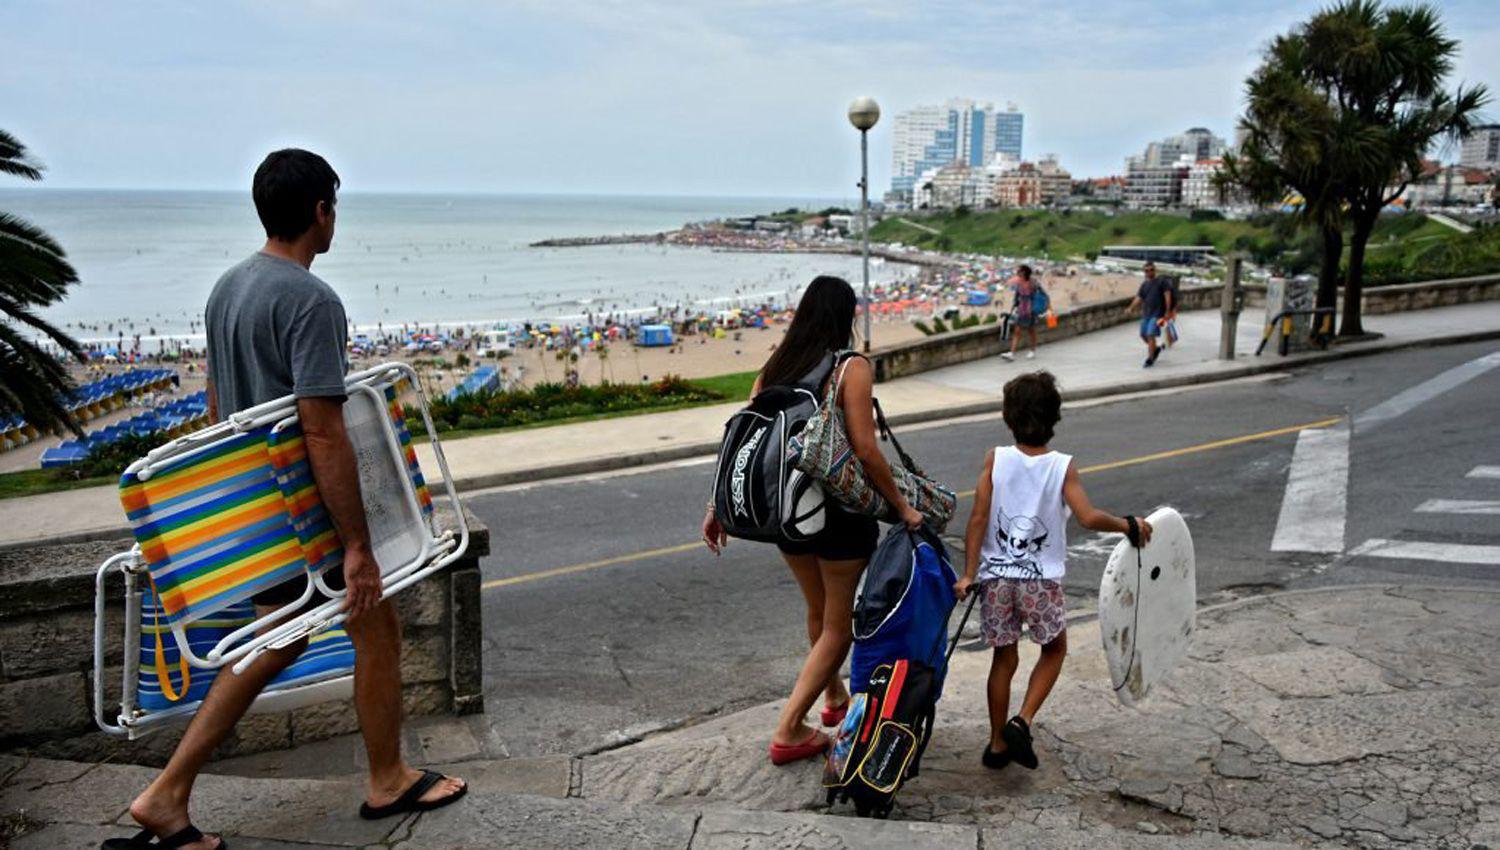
column 1148, row 606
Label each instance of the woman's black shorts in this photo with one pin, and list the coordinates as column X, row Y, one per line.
column 845, row 537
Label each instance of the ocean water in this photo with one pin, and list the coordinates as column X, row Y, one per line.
column 148, row 259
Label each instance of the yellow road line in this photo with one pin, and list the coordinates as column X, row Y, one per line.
column 591, row 565
column 685, row 547
column 1201, row 447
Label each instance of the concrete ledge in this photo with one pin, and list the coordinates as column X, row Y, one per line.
column 46, row 657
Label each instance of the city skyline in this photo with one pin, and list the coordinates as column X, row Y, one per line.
column 661, row 98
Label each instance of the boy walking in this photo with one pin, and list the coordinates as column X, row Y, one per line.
column 1016, row 552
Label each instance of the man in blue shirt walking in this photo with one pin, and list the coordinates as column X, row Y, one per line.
column 1155, row 300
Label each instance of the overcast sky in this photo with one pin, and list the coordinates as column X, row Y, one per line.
column 714, row 97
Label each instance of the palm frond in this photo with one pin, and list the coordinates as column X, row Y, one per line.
column 14, row 160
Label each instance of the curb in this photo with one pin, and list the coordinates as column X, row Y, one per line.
column 704, row 448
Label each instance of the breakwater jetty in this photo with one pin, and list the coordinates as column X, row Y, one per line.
column 615, row 239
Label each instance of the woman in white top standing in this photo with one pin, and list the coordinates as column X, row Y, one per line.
column 1017, row 550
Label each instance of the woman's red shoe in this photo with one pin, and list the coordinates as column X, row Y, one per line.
column 833, row 716
column 811, row 748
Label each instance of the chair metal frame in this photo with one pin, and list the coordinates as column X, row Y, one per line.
column 289, row 623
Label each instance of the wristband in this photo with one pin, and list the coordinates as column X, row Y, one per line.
column 1133, row 532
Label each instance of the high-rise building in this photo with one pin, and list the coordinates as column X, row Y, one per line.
column 959, row 131
column 1008, row 126
column 1155, row 177
column 1481, row 148
column 1197, row 143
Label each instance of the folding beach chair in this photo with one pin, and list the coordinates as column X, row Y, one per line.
column 225, row 512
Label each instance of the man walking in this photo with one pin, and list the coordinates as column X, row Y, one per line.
column 275, row 329
column 1154, row 298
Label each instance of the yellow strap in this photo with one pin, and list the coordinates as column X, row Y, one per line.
column 163, row 678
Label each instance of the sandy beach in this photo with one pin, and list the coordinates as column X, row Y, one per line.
column 694, row 356
column 746, row 349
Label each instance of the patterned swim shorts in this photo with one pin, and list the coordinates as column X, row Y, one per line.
column 1005, row 604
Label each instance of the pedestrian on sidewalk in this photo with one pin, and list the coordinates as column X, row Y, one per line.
column 1156, row 301
column 274, row 329
column 1023, row 311
column 1016, row 551
column 828, row 566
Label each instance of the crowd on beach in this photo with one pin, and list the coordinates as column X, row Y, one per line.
column 706, row 338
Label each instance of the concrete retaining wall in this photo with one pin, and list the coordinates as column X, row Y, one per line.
column 46, row 658
column 940, row 350
column 1434, row 293
column 947, row 349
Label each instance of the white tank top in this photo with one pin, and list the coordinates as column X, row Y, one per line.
column 1026, row 538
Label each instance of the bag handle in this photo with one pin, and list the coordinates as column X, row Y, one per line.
column 836, row 377
column 881, row 424
column 163, row 675
column 973, row 597
column 887, row 434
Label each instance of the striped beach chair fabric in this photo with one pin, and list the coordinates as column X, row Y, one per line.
column 213, row 527
column 218, row 518
column 329, row 655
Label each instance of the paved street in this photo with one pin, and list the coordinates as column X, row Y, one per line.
column 604, row 618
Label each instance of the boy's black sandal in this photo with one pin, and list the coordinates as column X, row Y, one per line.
column 1133, row 533
column 994, row 760
column 1017, row 734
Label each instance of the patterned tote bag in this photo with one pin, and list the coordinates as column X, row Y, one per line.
column 822, row 450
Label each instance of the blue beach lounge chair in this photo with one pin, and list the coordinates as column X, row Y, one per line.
column 225, row 512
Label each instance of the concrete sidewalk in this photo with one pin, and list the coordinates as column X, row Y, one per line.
column 1103, row 363
column 1346, row 716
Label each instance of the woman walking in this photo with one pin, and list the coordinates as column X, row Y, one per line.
column 1023, row 313
column 828, row 566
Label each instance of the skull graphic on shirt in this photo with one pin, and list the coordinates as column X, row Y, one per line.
column 1020, row 540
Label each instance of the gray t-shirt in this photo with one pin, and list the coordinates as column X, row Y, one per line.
column 1153, row 295
column 274, row 329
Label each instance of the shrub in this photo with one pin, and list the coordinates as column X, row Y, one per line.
column 923, row 327
column 938, row 325
column 113, row 458
column 990, row 318
column 551, row 401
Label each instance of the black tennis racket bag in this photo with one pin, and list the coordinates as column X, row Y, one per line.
column 758, row 494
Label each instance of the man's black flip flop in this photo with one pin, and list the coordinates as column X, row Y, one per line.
column 411, row 799
column 1017, row 735
column 143, row 840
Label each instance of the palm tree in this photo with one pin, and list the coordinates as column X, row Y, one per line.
column 1385, row 69
column 34, row 273
column 1288, row 129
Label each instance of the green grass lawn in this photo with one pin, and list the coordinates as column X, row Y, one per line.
column 32, row 482
column 734, row 386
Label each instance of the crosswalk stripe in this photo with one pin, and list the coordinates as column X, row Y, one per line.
column 1413, row 397
column 1459, row 506
column 1317, row 492
column 1484, row 472
column 1418, row 550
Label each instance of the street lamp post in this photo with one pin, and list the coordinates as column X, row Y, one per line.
column 863, row 113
